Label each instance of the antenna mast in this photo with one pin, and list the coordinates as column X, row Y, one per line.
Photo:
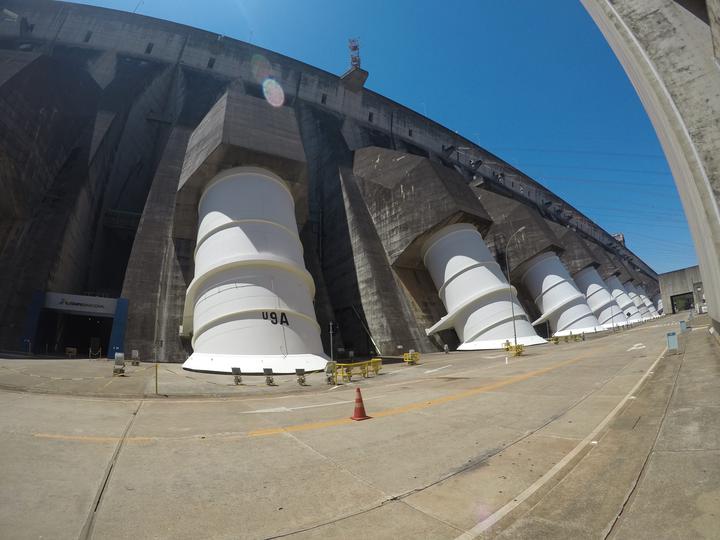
column 354, row 46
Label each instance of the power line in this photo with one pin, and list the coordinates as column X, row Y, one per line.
column 639, row 221
column 640, row 210
column 586, row 167
column 657, row 210
column 628, row 222
column 616, row 223
column 612, row 182
column 586, row 152
column 668, row 249
column 663, row 240
column 630, row 214
column 641, row 218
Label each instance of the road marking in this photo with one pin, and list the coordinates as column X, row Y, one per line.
column 636, row 347
column 494, row 356
column 417, row 406
column 89, row 438
column 275, row 409
column 438, row 369
column 291, row 409
column 493, row 518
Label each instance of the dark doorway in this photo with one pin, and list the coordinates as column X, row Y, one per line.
column 682, row 302
column 57, row 331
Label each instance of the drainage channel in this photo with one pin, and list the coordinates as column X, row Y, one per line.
column 87, row 530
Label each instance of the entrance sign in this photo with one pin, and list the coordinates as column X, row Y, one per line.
column 96, row 306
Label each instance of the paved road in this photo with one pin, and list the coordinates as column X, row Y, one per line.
column 575, row 440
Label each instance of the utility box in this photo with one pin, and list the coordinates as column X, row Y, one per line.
column 672, row 342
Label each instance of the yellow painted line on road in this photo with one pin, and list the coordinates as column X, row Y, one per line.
column 300, row 427
column 417, row 405
column 311, row 426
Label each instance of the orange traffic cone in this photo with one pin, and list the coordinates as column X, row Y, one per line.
column 359, row 413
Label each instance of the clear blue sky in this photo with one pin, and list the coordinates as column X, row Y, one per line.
column 532, row 81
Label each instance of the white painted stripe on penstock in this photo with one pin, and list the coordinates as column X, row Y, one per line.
column 492, row 519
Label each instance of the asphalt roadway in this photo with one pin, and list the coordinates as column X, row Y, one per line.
column 606, row 438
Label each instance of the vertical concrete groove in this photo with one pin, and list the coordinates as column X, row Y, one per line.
column 641, row 473
column 401, row 497
column 338, row 465
column 87, row 531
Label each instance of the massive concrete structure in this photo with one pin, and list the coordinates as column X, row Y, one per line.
column 670, row 51
column 235, row 202
column 681, row 290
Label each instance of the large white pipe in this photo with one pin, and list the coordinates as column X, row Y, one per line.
column 251, row 299
column 599, row 299
column 648, row 303
column 481, row 306
column 623, row 300
column 558, row 297
column 645, row 311
column 635, row 297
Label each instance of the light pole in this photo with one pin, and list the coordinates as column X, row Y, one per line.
column 507, row 269
column 333, row 329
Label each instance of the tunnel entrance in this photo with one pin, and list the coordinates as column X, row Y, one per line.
column 62, row 324
column 65, row 333
column 682, row 302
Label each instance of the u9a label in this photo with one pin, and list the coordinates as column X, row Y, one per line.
column 275, row 318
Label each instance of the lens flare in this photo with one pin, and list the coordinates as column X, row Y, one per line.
column 260, row 68
column 483, row 511
column 273, row 92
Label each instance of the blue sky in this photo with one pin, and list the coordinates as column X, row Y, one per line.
column 532, row 81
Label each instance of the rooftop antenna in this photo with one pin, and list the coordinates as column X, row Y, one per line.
column 354, row 46
column 355, row 77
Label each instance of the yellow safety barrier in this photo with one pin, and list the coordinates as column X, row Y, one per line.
column 411, row 357
column 346, row 371
column 331, row 372
column 569, row 338
column 517, row 350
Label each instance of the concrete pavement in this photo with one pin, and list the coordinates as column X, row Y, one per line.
column 461, row 445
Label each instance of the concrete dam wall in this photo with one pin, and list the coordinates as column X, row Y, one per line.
column 404, row 234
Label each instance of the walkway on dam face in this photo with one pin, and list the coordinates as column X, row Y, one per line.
column 599, row 438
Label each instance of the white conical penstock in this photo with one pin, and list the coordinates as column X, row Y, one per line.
column 623, row 300
column 635, row 297
column 599, row 299
column 558, row 297
column 250, row 304
column 648, row 303
column 471, row 285
column 645, row 302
